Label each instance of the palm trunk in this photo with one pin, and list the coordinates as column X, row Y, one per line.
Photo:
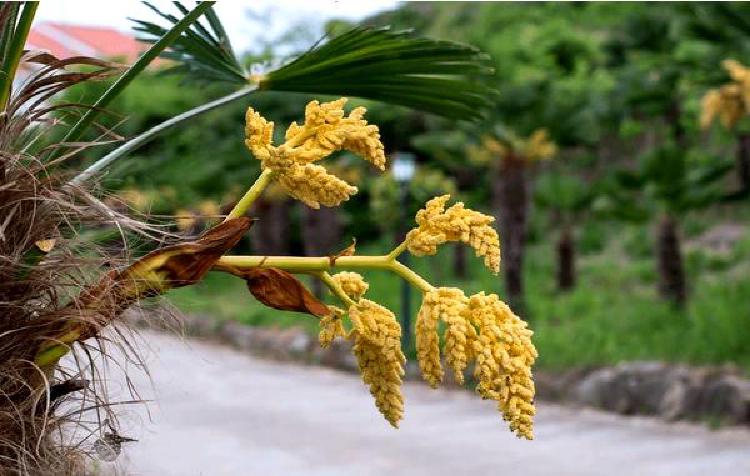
column 511, row 205
column 671, row 271
column 321, row 230
column 566, row 265
column 743, row 161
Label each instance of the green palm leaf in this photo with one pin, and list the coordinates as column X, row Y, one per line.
column 200, row 52
column 441, row 77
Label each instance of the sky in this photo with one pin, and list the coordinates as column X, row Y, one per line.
column 247, row 23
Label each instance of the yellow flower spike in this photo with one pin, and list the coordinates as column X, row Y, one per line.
column 452, row 303
column 436, row 225
column 450, row 306
column 314, row 186
column 736, row 70
column 258, row 135
column 326, row 129
column 711, row 105
column 427, row 340
column 732, row 107
column 331, row 326
column 353, row 284
column 731, row 101
column 505, row 355
column 377, row 347
column 539, row 146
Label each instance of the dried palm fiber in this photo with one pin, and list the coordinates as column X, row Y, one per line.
column 45, row 262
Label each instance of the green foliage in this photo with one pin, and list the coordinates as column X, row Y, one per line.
column 617, row 86
column 565, row 193
column 167, row 38
column 201, row 52
column 435, row 76
column 668, row 179
column 441, row 77
column 592, row 237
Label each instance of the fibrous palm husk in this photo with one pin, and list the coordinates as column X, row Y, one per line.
column 44, row 263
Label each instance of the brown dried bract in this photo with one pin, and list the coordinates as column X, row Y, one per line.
column 348, row 251
column 281, row 290
column 163, row 269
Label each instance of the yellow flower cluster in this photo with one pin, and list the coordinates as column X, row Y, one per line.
column 436, row 225
column 731, row 101
column 326, row 130
column 502, row 350
column 353, row 284
column 331, row 326
column 447, row 304
column 377, row 346
column 428, row 341
column 504, row 357
column 539, row 146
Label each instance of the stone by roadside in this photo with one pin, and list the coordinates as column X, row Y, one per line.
column 671, row 391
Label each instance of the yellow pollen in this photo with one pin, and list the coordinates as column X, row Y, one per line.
column 326, row 129
column 377, row 347
column 436, row 226
column 353, row 284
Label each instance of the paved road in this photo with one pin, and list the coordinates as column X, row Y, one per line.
column 219, row 412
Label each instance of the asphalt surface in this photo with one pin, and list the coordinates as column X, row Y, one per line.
column 219, row 412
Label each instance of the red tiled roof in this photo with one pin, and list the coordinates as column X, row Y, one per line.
column 39, row 41
column 63, row 40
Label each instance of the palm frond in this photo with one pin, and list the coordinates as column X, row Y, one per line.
column 441, row 77
column 201, row 52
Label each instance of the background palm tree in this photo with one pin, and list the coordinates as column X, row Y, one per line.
column 667, row 184
column 568, row 200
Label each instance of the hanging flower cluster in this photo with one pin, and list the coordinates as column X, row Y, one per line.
column 729, row 102
column 436, row 226
column 444, row 304
column 538, row 146
column 479, row 329
column 483, row 329
column 377, row 346
column 504, row 357
column 326, row 129
column 331, row 326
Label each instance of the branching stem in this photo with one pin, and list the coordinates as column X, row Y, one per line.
column 311, row 264
column 398, row 250
column 251, row 195
column 335, row 288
